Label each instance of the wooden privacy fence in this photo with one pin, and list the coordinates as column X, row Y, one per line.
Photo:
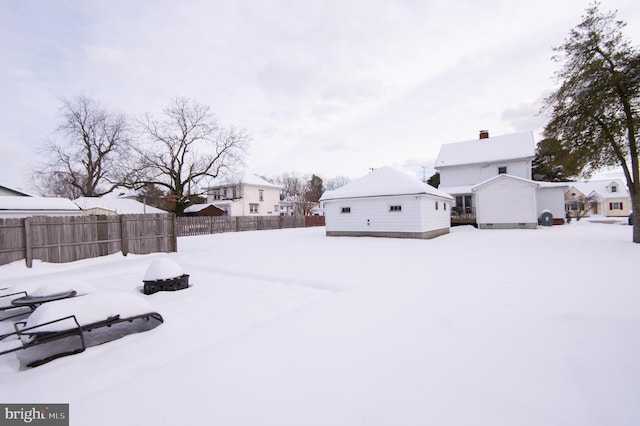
column 66, row 239
column 201, row 225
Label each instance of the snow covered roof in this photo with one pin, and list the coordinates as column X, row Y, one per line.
column 602, row 188
column 17, row 202
column 501, row 177
column 198, row 207
column 456, row 190
column 246, row 178
column 467, row 189
column 117, row 205
column 513, row 146
column 15, row 191
column 554, row 184
column 384, row 181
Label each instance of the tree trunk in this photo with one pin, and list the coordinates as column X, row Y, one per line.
column 635, row 203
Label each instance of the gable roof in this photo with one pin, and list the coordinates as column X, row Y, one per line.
column 17, row 202
column 246, row 178
column 194, row 208
column 15, row 191
column 384, row 181
column 600, row 187
column 117, row 205
column 514, row 146
column 504, row 177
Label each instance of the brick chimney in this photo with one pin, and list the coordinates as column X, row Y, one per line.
column 484, row 134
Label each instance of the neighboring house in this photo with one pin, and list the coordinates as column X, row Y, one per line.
column 20, row 206
column 287, row 206
column 245, row 194
column 387, row 203
column 113, row 206
column 204, row 210
column 8, row 191
column 490, row 180
column 612, row 197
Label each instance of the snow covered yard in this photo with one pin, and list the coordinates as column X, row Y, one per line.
column 289, row 327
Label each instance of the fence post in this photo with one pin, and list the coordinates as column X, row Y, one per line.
column 175, row 233
column 28, row 252
column 123, row 236
column 237, row 223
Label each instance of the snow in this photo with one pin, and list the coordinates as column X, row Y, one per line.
column 601, row 188
column 496, row 148
column 36, row 203
column 116, row 205
column 162, row 269
column 247, row 178
column 40, row 287
column 289, row 327
column 89, row 309
column 384, row 181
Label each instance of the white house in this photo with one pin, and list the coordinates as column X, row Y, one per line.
column 490, row 179
column 387, row 203
column 245, row 194
column 20, row 206
column 113, row 206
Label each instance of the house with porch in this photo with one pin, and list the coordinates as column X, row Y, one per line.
column 245, row 194
column 490, row 180
column 610, row 197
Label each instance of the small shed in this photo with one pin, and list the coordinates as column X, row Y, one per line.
column 204, row 210
column 506, row 202
column 20, row 206
column 113, row 206
column 387, row 203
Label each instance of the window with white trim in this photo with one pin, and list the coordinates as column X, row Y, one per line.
column 253, row 208
column 502, row 170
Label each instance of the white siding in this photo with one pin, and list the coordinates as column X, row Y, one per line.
column 519, row 169
column 433, row 219
column 374, row 214
column 266, row 207
column 461, row 175
column 552, row 199
column 506, row 201
column 473, row 174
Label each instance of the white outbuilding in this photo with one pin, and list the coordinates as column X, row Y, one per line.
column 19, row 207
column 387, row 203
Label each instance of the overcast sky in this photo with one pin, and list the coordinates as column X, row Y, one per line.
column 325, row 87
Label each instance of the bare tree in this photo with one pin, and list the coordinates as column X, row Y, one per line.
column 335, row 182
column 91, row 160
column 580, row 206
column 186, row 147
column 291, row 183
